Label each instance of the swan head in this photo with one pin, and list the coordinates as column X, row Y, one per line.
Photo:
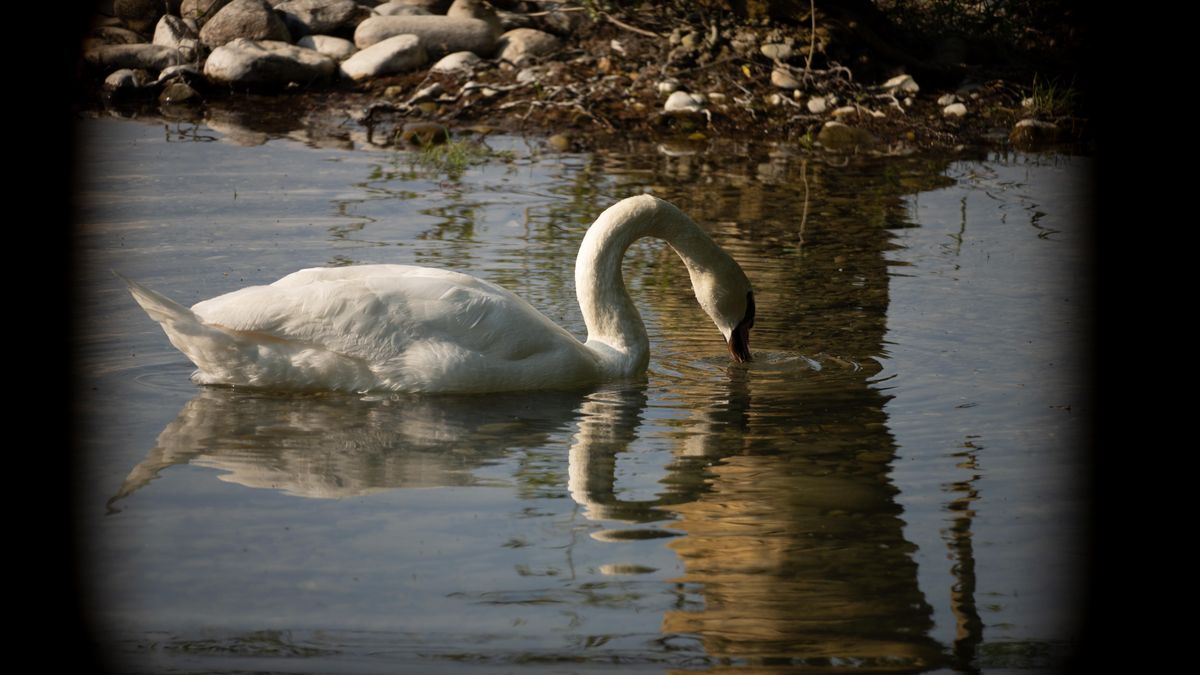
column 727, row 297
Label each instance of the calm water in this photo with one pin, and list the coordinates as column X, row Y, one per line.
column 893, row 484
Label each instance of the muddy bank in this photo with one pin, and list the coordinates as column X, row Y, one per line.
column 582, row 74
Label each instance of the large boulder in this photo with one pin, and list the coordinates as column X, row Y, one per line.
column 251, row 19
column 321, row 17
column 439, row 34
column 267, row 64
column 176, row 33
column 393, row 55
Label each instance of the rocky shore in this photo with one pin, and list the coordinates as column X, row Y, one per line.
column 573, row 71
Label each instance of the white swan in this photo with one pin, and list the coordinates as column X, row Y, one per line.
column 414, row 329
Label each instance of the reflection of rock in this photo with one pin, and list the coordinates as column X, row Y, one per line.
column 343, row 446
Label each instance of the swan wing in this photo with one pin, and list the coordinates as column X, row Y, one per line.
column 410, row 328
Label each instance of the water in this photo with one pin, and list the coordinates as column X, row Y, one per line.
column 893, row 484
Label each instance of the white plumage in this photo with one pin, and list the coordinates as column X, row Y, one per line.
column 415, row 329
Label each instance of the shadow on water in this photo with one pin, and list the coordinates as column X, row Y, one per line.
column 770, row 484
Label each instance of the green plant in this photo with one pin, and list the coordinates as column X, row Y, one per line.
column 1052, row 98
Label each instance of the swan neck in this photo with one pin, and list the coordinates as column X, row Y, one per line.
column 616, row 332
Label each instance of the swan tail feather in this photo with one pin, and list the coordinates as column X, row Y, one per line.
column 160, row 308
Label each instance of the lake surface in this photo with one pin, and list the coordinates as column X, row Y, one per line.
column 895, row 483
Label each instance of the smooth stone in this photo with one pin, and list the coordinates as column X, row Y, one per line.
column 321, row 17
column 336, row 48
column 139, row 15
column 394, row 9
column 393, row 55
column 439, row 34
column 521, row 45
column 947, row 99
column 201, row 11
column 903, row 83
column 784, row 80
column 560, row 142
column 248, row 19
column 423, row 134
column 427, row 6
column 1030, row 130
column 174, row 32
column 459, row 62
column 177, row 93
column 816, row 105
column 184, row 72
column 845, row 111
column 838, row 136
column 682, row 101
column 667, row 86
column 474, row 9
column 124, row 80
column 116, row 35
column 145, row 56
column 776, row 50
column 954, row 110
column 267, row 63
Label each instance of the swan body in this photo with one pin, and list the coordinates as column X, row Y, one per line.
column 414, row 329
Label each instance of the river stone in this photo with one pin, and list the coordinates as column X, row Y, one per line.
column 125, row 80
column 321, row 17
column 405, row 7
column 817, row 105
column 902, row 83
column 335, row 48
column 1029, row 131
column 475, row 9
column 439, row 34
column 954, row 110
column 139, row 15
column 457, row 62
column 682, row 101
column 776, row 50
column 201, row 11
column 947, row 99
column 266, row 63
column 519, row 46
column 173, row 31
column 393, row 55
column 116, row 35
column 838, row 136
column 145, row 56
column 784, row 80
column 186, row 73
column 251, row 19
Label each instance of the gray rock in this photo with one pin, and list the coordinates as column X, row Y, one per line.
column 335, row 48
column 178, row 93
column 184, row 73
column 174, row 32
column 902, row 83
column 522, row 45
column 321, row 17
column 201, row 11
column 838, row 136
column 682, row 101
column 1031, row 131
column 139, row 15
column 458, row 62
column 393, row 55
column 250, row 19
column 776, row 50
column 475, row 9
column 954, row 110
column 115, row 35
column 266, row 63
column 439, row 34
column 125, row 80
column 145, row 56
column 784, row 80
column 402, row 7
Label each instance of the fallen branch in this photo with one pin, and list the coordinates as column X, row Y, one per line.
column 621, row 24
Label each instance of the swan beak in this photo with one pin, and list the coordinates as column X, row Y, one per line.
column 739, row 343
